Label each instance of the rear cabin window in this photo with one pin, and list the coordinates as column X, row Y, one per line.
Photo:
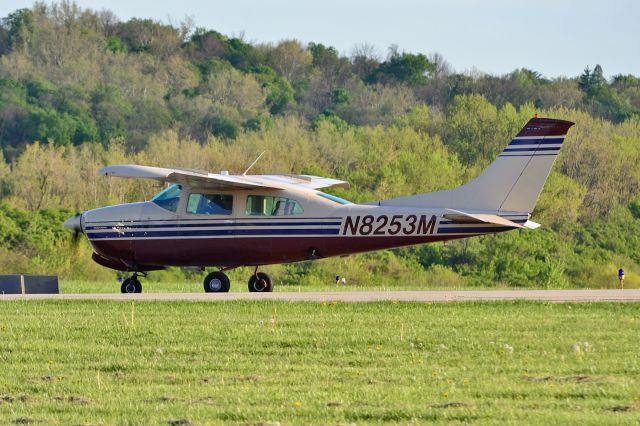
column 169, row 198
column 265, row 205
column 221, row 204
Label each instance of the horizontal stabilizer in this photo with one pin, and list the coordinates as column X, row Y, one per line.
column 531, row 225
column 480, row 218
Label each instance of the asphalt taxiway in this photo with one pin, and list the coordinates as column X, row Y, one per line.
column 359, row 296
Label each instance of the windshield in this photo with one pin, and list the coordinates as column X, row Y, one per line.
column 169, row 198
column 334, row 198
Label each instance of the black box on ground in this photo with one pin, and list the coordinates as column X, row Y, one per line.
column 29, row 284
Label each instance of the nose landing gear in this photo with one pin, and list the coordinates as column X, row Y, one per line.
column 260, row 282
column 131, row 285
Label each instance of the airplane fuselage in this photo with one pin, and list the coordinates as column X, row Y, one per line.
column 145, row 236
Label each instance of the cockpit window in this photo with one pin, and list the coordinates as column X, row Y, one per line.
column 210, row 204
column 334, row 198
column 169, row 198
column 266, row 205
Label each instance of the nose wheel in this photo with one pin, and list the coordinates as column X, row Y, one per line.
column 131, row 285
column 260, row 283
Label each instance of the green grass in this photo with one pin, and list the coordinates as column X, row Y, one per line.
column 194, row 285
column 101, row 362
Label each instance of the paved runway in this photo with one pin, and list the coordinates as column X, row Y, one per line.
column 360, row 296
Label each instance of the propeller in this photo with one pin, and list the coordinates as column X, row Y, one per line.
column 74, row 224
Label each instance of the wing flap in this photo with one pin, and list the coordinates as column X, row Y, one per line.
column 480, row 217
column 306, row 181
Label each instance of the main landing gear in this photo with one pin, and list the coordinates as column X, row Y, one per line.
column 218, row 282
column 215, row 282
column 131, row 285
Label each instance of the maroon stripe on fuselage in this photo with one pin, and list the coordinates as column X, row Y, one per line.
column 545, row 127
column 225, row 252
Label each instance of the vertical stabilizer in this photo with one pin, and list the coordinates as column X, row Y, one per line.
column 513, row 182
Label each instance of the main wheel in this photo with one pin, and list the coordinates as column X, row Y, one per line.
column 260, row 283
column 131, row 285
column 217, row 282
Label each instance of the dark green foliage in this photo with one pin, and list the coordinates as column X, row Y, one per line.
column 602, row 99
column 329, row 116
column 339, row 96
column 634, row 208
column 39, row 111
column 279, row 91
column 19, row 27
column 403, row 67
column 4, row 41
column 111, row 111
column 221, row 126
column 203, row 45
column 322, row 54
column 115, row 44
column 38, row 231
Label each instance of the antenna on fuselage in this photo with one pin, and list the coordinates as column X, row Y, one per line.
column 252, row 164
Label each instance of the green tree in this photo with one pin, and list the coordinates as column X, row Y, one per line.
column 20, row 28
column 291, row 60
column 470, row 128
column 409, row 68
column 280, row 94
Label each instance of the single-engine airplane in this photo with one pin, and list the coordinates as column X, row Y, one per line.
column 226, row 221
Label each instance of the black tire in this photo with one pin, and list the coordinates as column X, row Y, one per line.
column 260, row 284
column 128, row 286
column 131, row 285
column 217, row 282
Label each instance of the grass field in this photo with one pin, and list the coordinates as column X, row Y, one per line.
column 99, row 362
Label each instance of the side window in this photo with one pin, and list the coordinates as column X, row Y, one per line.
column 210, row 204
column 265, row 205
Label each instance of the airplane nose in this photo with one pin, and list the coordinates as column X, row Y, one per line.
column 73, row 223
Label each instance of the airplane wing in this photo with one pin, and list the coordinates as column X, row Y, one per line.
column 482, row 218
column 197, row 178
column 189, row 177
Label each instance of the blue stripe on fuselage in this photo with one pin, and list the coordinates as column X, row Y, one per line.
column 212, row 225
column 557, row 148
column 213, row 233
column 549, row 141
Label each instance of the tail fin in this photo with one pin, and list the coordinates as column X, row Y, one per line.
column 513, row 182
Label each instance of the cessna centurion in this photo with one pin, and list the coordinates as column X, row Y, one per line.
column 205, row 219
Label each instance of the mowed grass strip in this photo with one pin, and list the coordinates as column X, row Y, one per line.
column 101, row 362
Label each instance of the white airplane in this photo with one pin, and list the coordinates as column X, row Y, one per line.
column 224, row 221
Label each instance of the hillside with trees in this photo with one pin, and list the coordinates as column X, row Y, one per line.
column 81, row 89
